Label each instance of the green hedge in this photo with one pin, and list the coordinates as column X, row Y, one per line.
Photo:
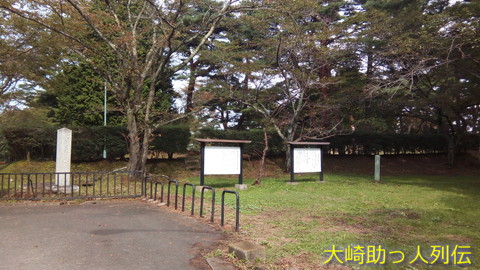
column 35, row 142
column 88, row 142
column 171, row 139
column 87, row 145
column 371, row 143
column 275, row 143
column 357, row 143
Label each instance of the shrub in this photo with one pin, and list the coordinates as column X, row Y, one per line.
column 89, row 142
column 30, row 142
column 171, row 139
column 360, row 143
column 276, row 145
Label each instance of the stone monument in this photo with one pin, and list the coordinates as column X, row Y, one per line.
column 63, row 160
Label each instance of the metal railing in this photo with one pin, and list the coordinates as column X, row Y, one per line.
column 154, row 195
column 73, row 185
column 117, row 184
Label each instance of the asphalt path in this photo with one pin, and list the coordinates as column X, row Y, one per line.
column 102, row 235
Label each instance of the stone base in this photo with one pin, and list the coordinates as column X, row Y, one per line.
column 199, row 189
column 292, row 183
column 64, row 189
column 241, row 186
column 219, row 264
column 247, row 251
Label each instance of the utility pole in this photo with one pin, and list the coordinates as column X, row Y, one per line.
column 105, row 119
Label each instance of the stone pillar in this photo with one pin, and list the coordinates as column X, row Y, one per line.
column 377, row 168
column 64, row 156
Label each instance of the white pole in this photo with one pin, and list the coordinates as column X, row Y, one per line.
column 377, row 168
column 105, row 118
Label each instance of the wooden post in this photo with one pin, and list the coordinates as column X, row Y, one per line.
column 321, row 163
column 240, row 176
column 292, row 173
column 202, row 163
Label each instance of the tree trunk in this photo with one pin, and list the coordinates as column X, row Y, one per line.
column 261, row 170
column 451, row 151
column 134, row 143
column 290, row 136
column 191, row 86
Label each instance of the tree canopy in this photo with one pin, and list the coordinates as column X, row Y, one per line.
column 306, row 69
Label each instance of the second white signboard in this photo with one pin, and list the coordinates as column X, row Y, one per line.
column 306, row 160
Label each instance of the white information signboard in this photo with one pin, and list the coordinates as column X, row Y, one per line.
column 307, row 160
column 222, row 160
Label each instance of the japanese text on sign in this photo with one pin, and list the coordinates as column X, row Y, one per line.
column 378, row 255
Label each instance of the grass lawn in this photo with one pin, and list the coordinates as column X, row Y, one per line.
column 298, row 223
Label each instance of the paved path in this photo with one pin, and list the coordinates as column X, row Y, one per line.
column 106, row 235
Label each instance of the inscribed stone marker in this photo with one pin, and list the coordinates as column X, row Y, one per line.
column 64, row 154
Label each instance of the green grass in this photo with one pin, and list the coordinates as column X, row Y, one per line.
column 299, row 222
column 49, row 166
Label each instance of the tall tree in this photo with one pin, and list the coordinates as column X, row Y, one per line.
column 76, row 97
column 131, row 44
column 27, row 57
column 423, row 60
column 287, row 75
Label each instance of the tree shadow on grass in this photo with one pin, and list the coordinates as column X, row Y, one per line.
column 303, row 179
column 457, row 193
column 462, row 184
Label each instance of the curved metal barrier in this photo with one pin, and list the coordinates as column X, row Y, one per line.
column 237, row 212
column 176, row 192
column 156, row 189
column 116, row 184
column 193, row 197
column 213, row 202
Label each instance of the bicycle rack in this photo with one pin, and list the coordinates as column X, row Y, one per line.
column 213, row 202
column 161, row 192
column 193, row 197
column 237, row 212
column 176, row 192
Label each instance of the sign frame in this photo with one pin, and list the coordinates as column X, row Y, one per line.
column 222, row 160
column 204, row 142
column 308, row 145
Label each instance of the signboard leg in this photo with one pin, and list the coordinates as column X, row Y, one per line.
column 240, row 176
column 241, row 185
column 202, row 164
column 292, row 175
column 321, row 164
